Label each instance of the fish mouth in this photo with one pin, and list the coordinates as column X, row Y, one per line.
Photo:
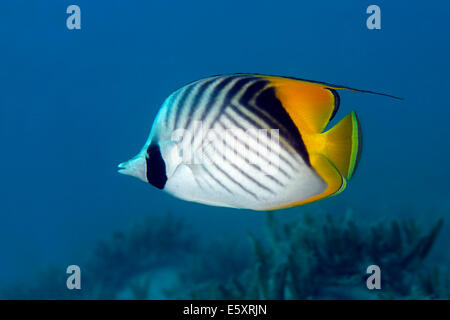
column 135, row 167
column 123, row 167
column 123, row 164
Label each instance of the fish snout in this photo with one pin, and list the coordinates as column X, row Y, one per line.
column 135, row 167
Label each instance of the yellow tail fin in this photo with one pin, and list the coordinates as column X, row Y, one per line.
column 342, row 144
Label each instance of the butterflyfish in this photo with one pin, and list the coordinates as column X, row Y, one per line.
column 250, row 141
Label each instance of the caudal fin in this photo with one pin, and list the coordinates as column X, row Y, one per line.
column 343, row 144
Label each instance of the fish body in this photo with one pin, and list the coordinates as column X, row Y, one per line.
column 249, row 141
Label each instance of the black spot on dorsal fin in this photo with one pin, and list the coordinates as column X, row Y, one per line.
column 337, row 101
column 268, row 102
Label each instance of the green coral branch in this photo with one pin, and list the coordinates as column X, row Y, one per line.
column 313, row 259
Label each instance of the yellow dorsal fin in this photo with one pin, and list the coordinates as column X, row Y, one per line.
column 310, row 105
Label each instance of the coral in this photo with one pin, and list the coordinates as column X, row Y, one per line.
column 217, row 260
column 50, row 285
column 316, row 259
column 140, row 288
column 117, row 264
column 156, row 242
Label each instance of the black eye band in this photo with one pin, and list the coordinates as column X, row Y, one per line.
column 156, row 168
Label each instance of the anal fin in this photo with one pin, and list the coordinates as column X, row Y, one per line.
column 336, row 183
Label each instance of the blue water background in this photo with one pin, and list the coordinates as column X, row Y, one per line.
column 75, row 103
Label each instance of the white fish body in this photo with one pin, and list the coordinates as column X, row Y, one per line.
column 230, row 141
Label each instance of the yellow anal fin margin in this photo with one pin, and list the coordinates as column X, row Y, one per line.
column 328, row 172
column 310, row 105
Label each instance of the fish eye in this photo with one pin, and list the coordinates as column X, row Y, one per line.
column 156, row 167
